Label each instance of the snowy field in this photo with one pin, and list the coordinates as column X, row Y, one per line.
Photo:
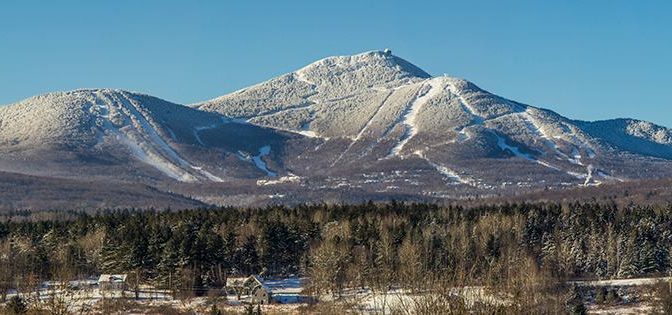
column 289, row 297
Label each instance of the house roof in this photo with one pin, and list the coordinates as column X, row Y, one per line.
column 112, row 278
column 235, row 281
column 259, row 282
column 250, row 282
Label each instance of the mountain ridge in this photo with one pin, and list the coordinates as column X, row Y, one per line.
column 371, row 124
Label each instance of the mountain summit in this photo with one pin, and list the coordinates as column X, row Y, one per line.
column 373, row 109
column 370, row 125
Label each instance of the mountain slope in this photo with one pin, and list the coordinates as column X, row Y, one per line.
column 25, row 192
column 345, row 128
column 317, row 97
column 119, row 134
column 374, row 112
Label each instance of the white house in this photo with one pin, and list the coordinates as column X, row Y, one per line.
column 112, row 282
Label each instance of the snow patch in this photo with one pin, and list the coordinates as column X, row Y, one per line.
column 259, row 162
column 290, row 178
column 538, row 129
column 146, row 156
column 501, row 143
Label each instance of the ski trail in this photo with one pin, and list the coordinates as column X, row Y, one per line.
column 430, row 89
column 589, row 175
column 370, row 121
column 280, row 111
column 135, row 146
column 213, row 126
column 448, row 173
column 477, row 119
column 361, row 131
column 501, row 143
column 576, row 157
column 535, row 127
column 257, row 160
column 400, row 119
column 140, row 122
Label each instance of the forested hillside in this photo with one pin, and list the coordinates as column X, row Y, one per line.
column 515, row 247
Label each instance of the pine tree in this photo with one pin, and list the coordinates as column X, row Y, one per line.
column 167, row 268
column 627, row 254
column 246, row 259
column 548, row 252
column 112, row 258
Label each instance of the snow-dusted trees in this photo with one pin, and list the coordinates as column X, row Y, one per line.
column 379, row 247
column 328, row 261
column 411, row 271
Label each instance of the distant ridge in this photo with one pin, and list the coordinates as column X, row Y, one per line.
column 371, row 125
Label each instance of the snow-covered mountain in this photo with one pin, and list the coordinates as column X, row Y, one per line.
column 112, row 133
column 369, row 125
column 376, row 111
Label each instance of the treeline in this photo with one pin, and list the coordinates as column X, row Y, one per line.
column 339, row 247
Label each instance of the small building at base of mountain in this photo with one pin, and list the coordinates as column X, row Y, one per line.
column 252, row 286
column 112, row 282
column 261, row 295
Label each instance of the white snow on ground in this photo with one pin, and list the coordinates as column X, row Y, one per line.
column 432, row 88
column 368, row 302
column 310, row 134
column 259, row 162
column 589, row 175
column 621, row 282
column 83, row 296
column 83, row 301
column 158, row 162
column 290, row 178
column 501, row 142
column 538, row 130
column 576, row 157
column 281, row 111
column 450, row 174
column 370, row 120
column 207, row 174
column 307, row 133
column 446, row 172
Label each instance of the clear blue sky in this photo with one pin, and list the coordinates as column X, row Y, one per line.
column 584, row 59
